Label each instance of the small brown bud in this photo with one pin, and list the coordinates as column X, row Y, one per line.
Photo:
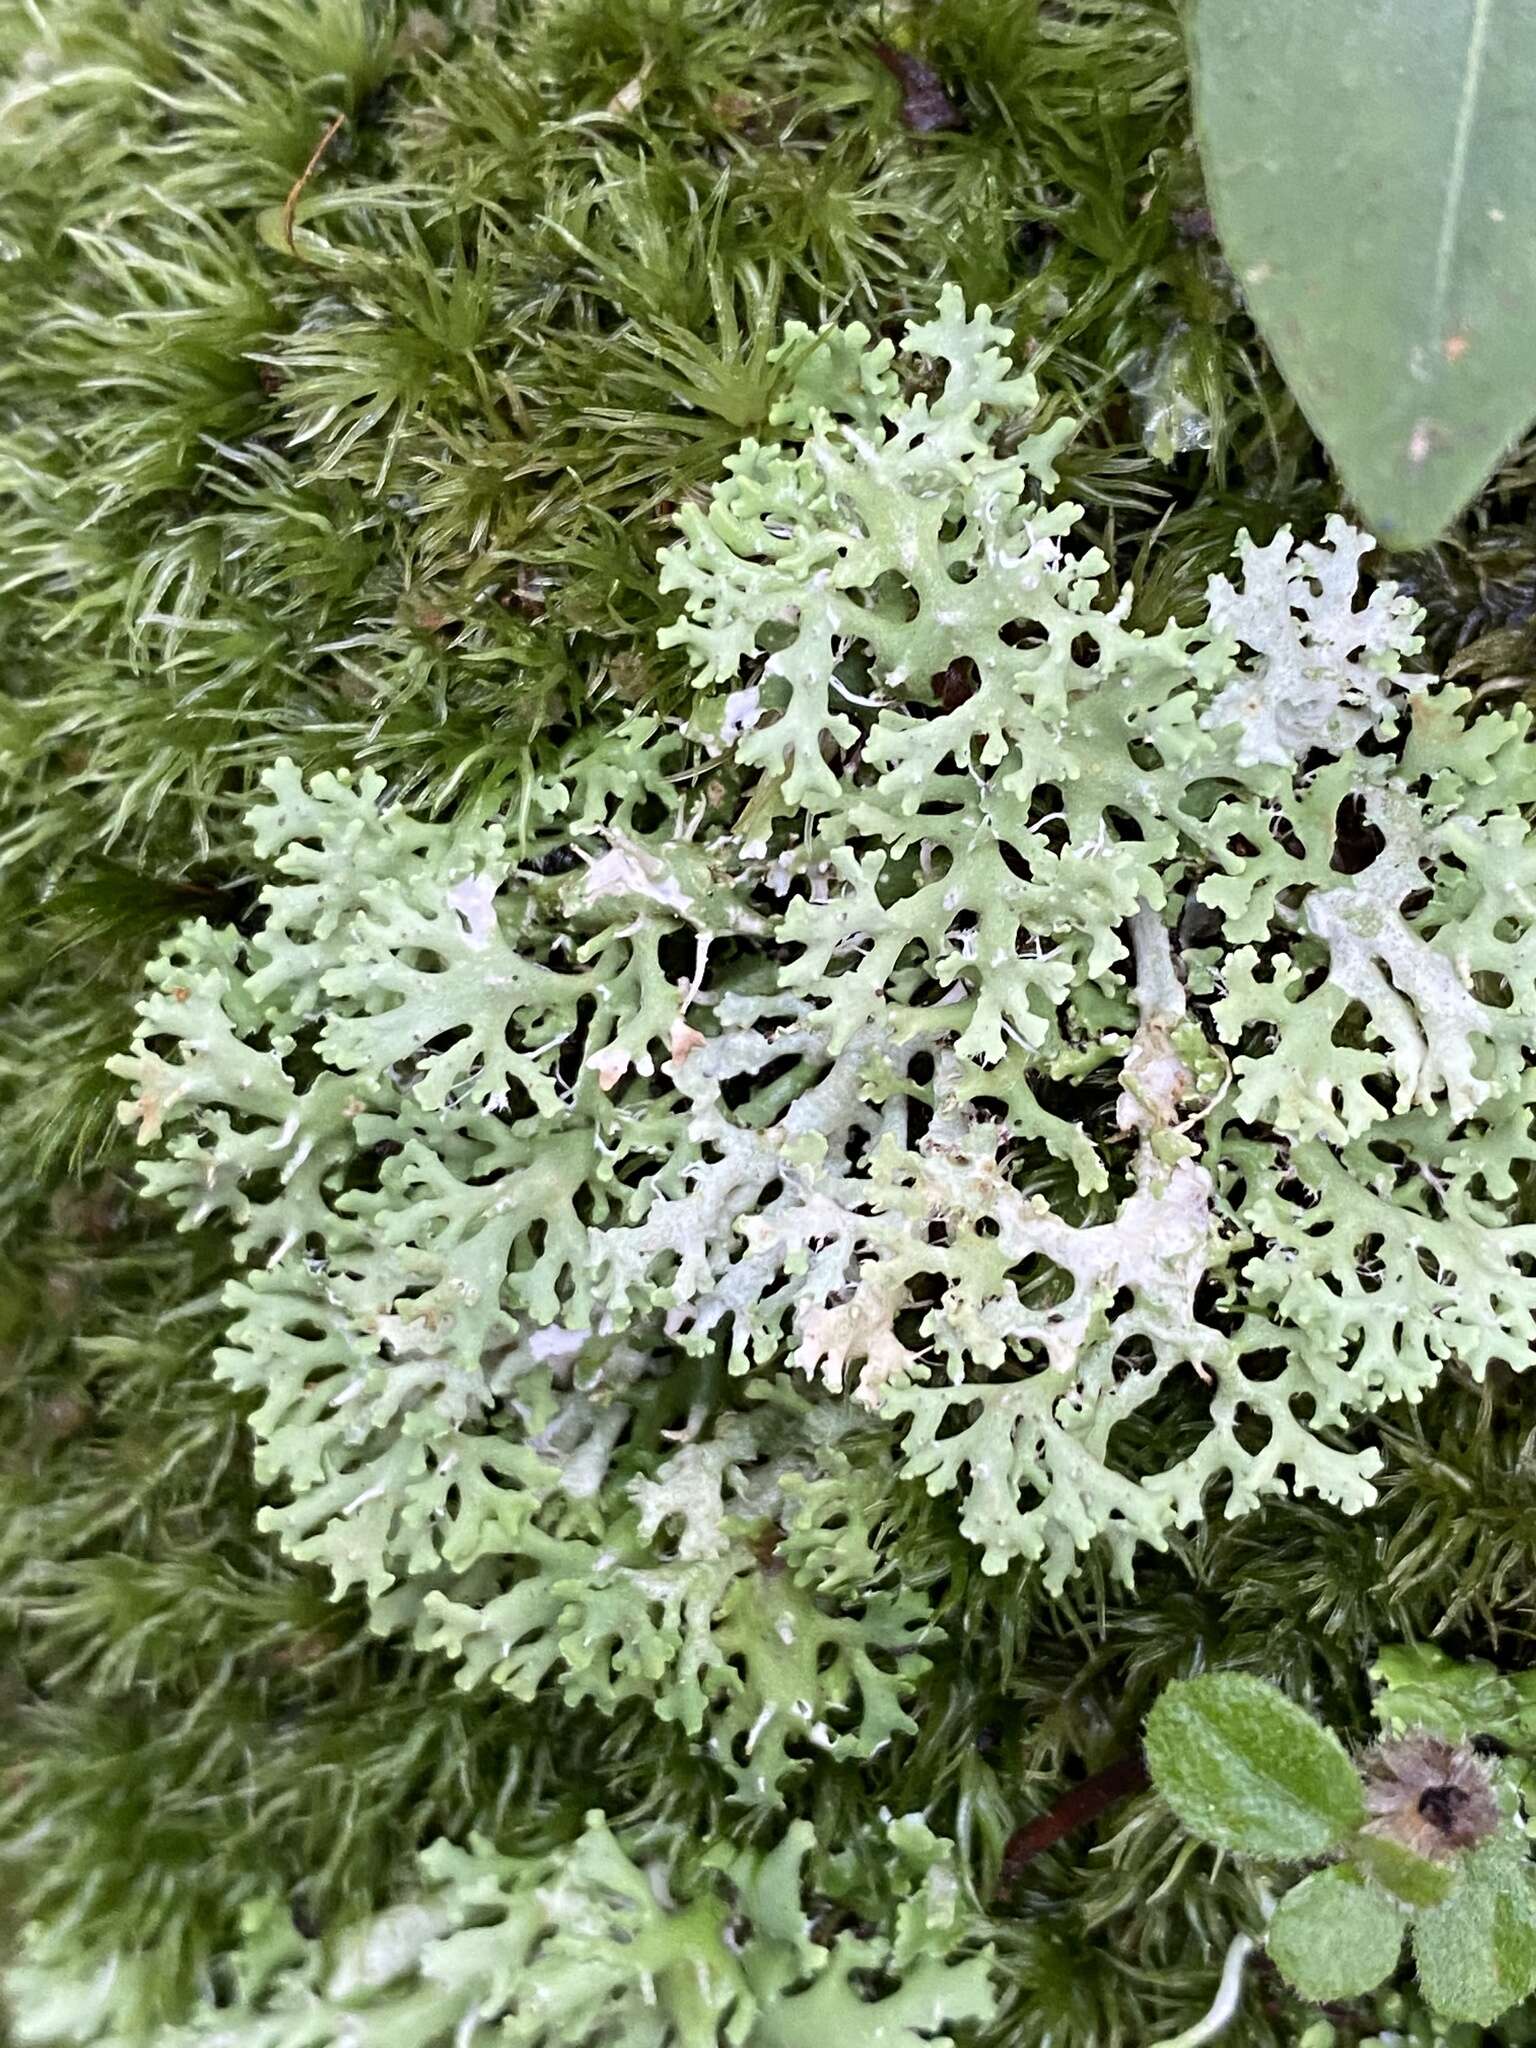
column 1428, row 1797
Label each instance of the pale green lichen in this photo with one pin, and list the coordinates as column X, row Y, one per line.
column 1323, row 671
column 1027, row 1025
column 584, row 1948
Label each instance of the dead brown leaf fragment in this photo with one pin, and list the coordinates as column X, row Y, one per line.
column 926, row 107
column 628, row 97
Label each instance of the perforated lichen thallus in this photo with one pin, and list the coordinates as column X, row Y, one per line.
column 1087, row 1093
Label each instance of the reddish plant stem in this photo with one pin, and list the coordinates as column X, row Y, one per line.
column 1074, row 1809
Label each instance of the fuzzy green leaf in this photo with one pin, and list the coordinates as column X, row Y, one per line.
column 1409, row 1878
column 1333, row 1937
column 1246, row 1769
column 1476, row 1954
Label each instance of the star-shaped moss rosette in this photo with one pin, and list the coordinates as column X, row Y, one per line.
column 984, row 1044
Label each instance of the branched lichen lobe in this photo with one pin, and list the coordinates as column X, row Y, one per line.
column 833, row 1040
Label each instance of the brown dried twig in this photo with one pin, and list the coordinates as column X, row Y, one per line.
column 296, row 189
column 1074, row 1809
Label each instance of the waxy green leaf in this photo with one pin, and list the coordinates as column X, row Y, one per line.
column 1372, row 173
